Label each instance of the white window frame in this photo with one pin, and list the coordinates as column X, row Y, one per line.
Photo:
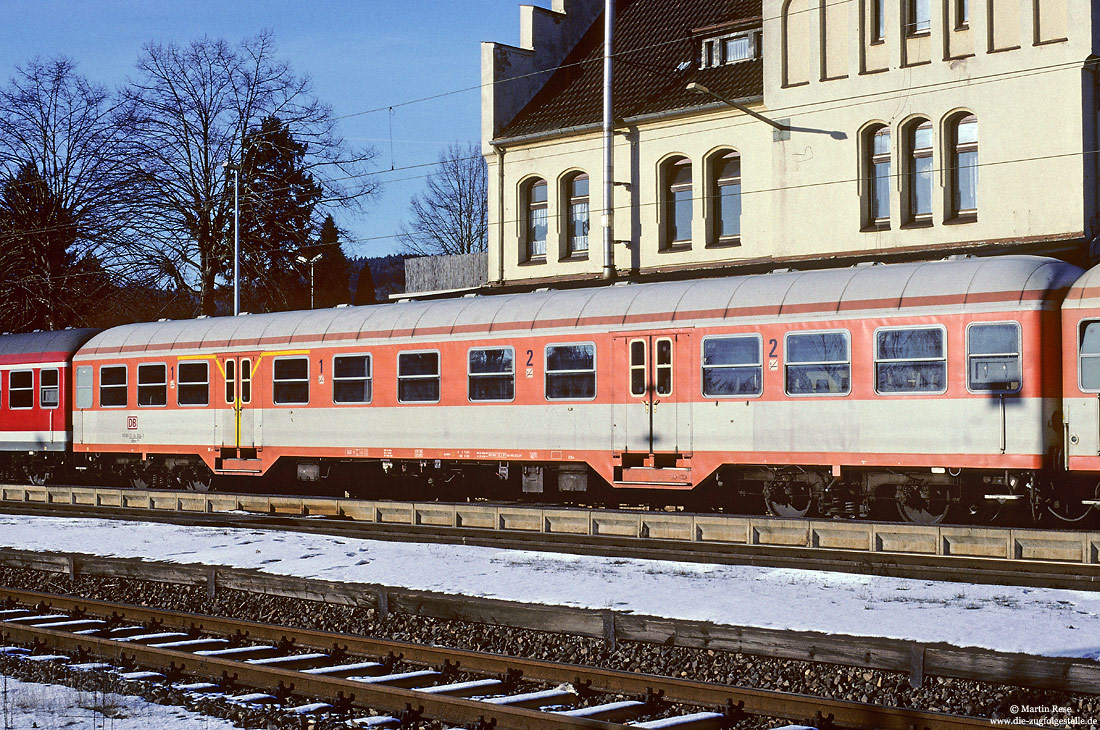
column 712, row 52
column 438, row 375
column 42, row 388
column 275, row 382
column 787, row 362
column 180, row 384
column 32, row 390
column 546, row 371
column 908, row 393
column 471, row 375
column 1019, row 356
column 703, row 367
column 162, row 384
column 369, row 378
column 124, row 387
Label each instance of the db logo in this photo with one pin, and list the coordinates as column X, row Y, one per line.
column 131, row 423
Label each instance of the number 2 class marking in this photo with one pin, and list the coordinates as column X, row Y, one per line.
column 530, row 358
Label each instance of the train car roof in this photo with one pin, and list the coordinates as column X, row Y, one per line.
column 33, row 347
column 1085, row 292
column 1022, row 280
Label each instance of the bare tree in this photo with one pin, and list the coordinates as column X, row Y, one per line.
column 452, row 216
column 188, row 112
column 55, row 122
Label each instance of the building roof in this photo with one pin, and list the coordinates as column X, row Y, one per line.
column 654, row 39
column 1024, row 281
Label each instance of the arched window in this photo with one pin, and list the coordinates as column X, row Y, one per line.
column 677, row 201
column 964, row 168
column 534, row 212
column 877, row 178
column 725, row 191
column 919, row 140
column 577, row 214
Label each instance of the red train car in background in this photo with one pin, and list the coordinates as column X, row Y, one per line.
column 35, row 401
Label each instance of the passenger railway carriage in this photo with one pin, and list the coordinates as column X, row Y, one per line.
column 908, row 385
column 35, row 403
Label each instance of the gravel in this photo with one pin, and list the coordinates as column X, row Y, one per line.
column 938, row 694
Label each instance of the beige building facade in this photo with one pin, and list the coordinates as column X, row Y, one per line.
column 899, row 129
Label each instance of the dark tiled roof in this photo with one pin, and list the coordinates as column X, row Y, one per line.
column 652, row 39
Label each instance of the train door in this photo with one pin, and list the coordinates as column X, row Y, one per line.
column 651, row 386
column 240, row 421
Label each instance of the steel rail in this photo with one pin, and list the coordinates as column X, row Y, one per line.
column 1032, row 573
column 390, row 699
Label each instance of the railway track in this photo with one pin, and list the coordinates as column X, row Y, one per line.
column 1005, row 556
column 312, row 672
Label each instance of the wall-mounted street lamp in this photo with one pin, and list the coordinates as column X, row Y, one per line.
column 782, row 131
column 311, row 262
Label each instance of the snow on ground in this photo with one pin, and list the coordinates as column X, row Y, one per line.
column 52, row 707
column 1030, row 620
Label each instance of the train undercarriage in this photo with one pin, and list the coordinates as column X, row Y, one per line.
column 927, row 496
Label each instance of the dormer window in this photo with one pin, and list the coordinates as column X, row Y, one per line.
column 730, row 48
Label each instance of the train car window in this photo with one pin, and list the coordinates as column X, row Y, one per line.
column 818, row 363
column 910, row 360
column 152, row 387
column 732, row 366
column 289, row 380
column 112, row 386
column 492, row 374
column 571, row 372
column 84, row 386
column 246, row 380
column 993, row 357
column 193, row 383
column 230, row 381
column 351, row 379
column 1089, row 356
column 21, row 389
column 637, row 367
column 49, row 388
column 418, row 377
column 664, row 366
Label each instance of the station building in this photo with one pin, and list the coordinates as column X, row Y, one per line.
column 760, row 134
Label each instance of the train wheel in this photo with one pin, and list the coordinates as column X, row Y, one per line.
column 1066, row 507
column 923, row 504
column 196, row 478
column 788, row 499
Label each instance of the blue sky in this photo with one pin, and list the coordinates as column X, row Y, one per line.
column 362, row 55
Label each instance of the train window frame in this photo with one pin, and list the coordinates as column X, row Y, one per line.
column 85, row 387
column 281, row 385
column 23, row 390
column 159, row 388
column 44, row 389
column 1019, row 355
column 1082, row 325
column 787, row 363
column 548, row 373
column 405, row 379
column 639, row 388
column 878, row 359
column 471, row 376
column 367, row 380
column 663, row 389
column 124, row 386
column 183, row 386
column 703, row 367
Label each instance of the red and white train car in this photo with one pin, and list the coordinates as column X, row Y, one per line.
column 35, row 402
column 1081, row 386
column 919, row 385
